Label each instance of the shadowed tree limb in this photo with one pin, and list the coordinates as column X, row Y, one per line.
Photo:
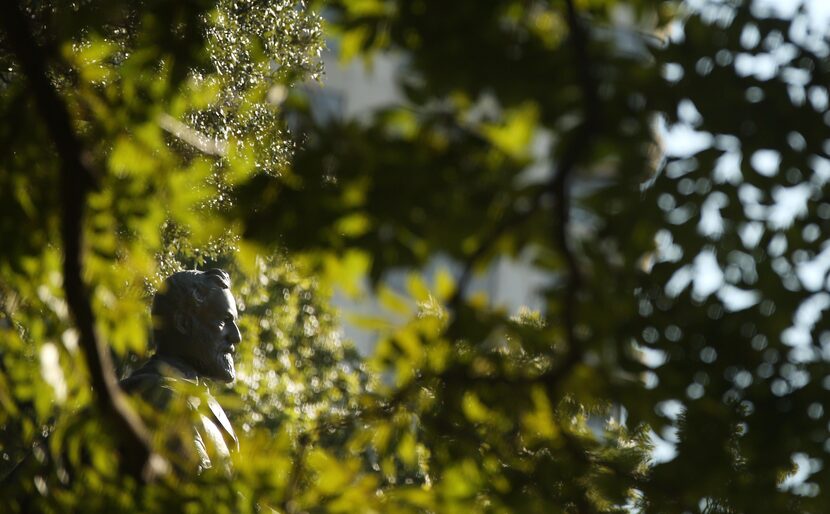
column 576, row 148
column 579, row 145
column 77, row 179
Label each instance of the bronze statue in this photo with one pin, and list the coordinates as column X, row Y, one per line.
column 196, row 335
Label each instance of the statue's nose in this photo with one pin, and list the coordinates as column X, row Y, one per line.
column 234, row 335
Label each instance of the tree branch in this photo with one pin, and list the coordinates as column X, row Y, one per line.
column 559, row 188
column 77, row 179
column 579, row 146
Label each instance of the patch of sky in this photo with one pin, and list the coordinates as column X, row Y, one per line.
column 679, row 281
column 750, row 234
column 728, row 168
column 671, row 409
column 805, row 466
column 796, row 76
column 711, row 222
column 813, row 273
column 672, row 72
column 821, row 170
column 736, row 299
column 708, row 275
column 681, row 140
column 750, row 197
column 766, row 162
column 664, row 446
column 798, row 335
column 777, row 246
column 790, row 203
column 651, row 357
column 815, row 18
column 760, row 66
column 797, row 94
column 676, row 169
column 720, row 14
column 818, row 97
column 741, row 268
column 667, row 250
column 750, row 36
column 688, row 113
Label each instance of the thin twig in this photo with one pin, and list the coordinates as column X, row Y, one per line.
column 77, row 179
column 289, row 504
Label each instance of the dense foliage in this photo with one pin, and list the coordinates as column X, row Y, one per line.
column 687, row 278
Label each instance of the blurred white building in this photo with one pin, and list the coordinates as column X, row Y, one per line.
column 356, row 90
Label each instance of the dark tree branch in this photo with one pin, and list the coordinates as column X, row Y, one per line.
column 575, row 150
column 559, row 187
column 578, row 146
column 77, row 179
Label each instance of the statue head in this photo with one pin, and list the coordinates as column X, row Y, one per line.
column 194, row 320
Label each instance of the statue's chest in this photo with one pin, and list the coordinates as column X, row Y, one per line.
column 215, row 436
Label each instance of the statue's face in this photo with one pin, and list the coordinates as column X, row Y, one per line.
column 214, row 336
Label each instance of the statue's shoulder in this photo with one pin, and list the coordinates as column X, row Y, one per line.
column 154, row 383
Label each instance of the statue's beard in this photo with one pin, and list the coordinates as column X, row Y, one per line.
column 227, row 365
column 211, row 358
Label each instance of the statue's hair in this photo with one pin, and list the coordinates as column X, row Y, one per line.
column 183, row 291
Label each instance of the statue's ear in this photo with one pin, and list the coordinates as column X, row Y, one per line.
column 183, row 322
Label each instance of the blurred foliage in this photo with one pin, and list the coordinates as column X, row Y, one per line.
column 687, row 278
